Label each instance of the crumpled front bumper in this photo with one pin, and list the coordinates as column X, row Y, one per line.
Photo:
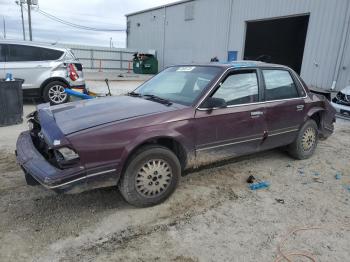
column 71, row 180
column 36, row 166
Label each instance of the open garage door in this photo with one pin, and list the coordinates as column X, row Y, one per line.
column 280, row 41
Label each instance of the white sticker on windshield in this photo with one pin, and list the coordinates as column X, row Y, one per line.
column 185, row 69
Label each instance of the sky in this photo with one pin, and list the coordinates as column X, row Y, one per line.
column 91, row 13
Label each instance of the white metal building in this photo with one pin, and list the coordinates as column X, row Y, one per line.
column 311, row 36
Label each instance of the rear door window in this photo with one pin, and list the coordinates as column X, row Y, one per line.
column 21, row 53
column 279, row 84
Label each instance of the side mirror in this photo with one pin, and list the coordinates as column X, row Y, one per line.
column 212, row 102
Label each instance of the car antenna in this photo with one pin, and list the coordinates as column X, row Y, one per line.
column 109, row 90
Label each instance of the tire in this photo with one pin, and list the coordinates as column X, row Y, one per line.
column 54, row 93
column 150, row 177
column 306, row 142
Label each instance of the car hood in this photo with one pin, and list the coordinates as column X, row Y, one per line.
column 77, row 116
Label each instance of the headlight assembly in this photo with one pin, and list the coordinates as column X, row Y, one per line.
column 68, row 154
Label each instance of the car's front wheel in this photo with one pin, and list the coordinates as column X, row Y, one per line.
column 150, row 177
column 54, row 93
column 306, row 142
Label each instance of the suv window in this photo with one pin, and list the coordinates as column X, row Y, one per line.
column 49, row 54
column 239, row 88
column 17, row 53
column 2, row 53
column 279, row 85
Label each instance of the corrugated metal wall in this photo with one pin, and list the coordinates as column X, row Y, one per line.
column 196, row 40
column 146, row 31
column 323, row 39
column 219, row 26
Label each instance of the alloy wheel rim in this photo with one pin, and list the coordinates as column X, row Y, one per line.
column 309, row 139
column 153, row 178
column 57, row 94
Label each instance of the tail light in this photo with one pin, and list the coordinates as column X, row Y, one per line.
column 73, row 72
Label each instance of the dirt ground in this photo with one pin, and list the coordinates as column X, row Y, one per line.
column 212, row 216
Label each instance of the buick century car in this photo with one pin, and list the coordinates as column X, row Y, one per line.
column 184, row 117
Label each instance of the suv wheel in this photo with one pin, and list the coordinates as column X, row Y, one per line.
column 150, row 177
column 305, row 144
column 54, row 93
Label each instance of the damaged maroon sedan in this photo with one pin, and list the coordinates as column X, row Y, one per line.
column 182, row 118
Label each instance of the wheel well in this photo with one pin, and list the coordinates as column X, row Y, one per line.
column 318, row 118
column 49, row 80
column 169, row 143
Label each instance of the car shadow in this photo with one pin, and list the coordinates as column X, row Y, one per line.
column 281, row 151
column 97, row 200
column 110, row 198
column 42, row 206
column 43, row 210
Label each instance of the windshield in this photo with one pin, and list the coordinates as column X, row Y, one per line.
column 179, row 84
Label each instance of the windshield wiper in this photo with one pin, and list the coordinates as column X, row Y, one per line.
column 158, row 99
column 134, row 94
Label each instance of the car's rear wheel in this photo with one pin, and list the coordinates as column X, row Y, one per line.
column 150, row 177
column 54, row 93
column 306, row 142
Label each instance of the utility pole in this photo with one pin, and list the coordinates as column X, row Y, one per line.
column 20, row 3
column 23, row 28
column 29, row 3
column 4, row 23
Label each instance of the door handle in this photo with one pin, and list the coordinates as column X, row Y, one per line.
column 256, row 114
column 300, row 107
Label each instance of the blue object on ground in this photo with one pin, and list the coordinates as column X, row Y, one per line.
column 338, row 175
column 259, row 185
column 77, row 94
column 316, row 174
column 8, row 77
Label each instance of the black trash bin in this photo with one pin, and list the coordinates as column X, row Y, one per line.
column 11, row 102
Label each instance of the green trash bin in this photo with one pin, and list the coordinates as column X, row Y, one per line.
column 149, row 65
column 145, row 64
column 136, row 66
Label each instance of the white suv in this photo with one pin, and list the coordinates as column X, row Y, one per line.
column 46, row 70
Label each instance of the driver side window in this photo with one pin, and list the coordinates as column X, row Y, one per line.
column 239, row 88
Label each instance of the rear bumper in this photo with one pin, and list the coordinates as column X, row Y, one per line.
column 75, row 179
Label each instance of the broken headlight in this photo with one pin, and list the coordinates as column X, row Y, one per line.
column 67, row 154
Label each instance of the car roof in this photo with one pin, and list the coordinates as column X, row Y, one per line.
column 36, row 44
column 238, row 64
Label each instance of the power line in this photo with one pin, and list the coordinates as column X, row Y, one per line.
column 55, row 18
